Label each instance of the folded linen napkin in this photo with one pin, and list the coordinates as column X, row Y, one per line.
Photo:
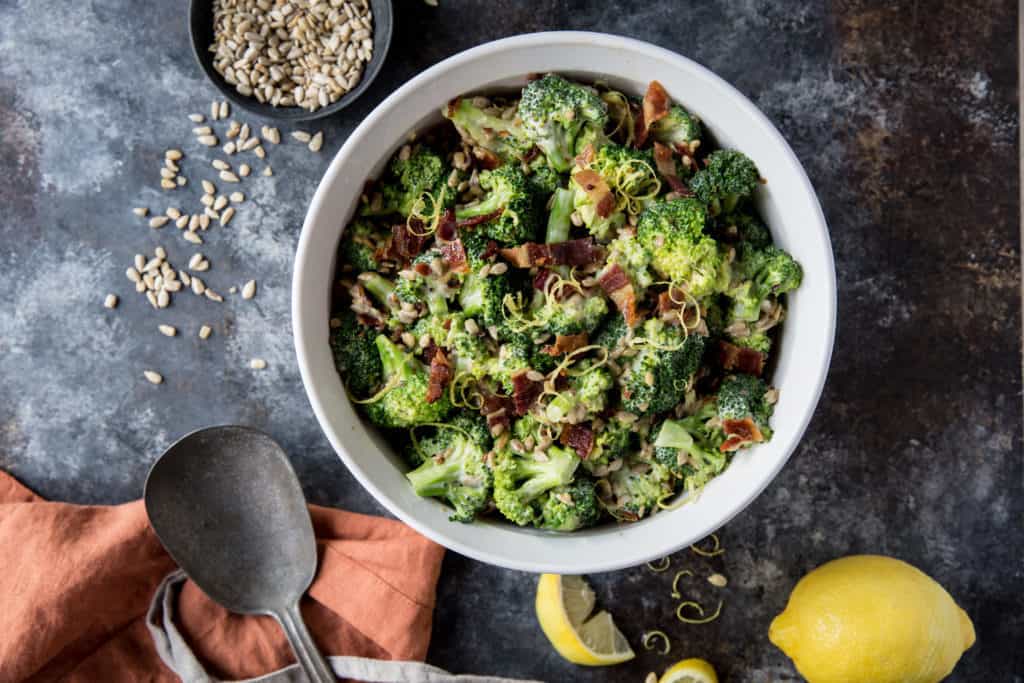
column 76, row 583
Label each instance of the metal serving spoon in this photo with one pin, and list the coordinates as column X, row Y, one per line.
column 227, row 506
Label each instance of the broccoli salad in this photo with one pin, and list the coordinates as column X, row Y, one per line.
column 559, row 306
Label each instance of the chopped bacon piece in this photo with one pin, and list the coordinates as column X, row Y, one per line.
column 579, row 252
column 542, row 278
column 531, row 154
column 495, row 402
column 524, row 392
column 440, row 375
column 580, row 438
column 655, row 108
column 431, row 350
column 477, row 220
column 488, row 159
column 454, row 254
column 566, row 344
column 739, row 432
column 740, row 358
column 619, row 289
column 446, row 227
column 667, row 169
column 422, row 268
column 403, row 244
column 597, row 190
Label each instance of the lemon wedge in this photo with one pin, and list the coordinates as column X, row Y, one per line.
column 563, row 605
column 689, row 671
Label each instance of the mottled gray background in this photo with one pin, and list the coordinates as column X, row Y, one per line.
column 905, row 116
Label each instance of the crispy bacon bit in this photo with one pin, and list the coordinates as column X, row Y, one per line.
column 740, row 432
column 667, row 168
column 597, row 190
column 453, row 105
column 531, row 154
column 584, row 158
column 580, row 438
column 422, row 268
column 477, row 220
column 566, row 344
column 454, row 254
column 403, row 244
column 524, row 392
column 446, row 226
column 619, row 289
column 741, row 359
column 440, row 374
column 494, row 403
column 488, row 159
column 579, row 252
column 655, row 108
column 430, row 350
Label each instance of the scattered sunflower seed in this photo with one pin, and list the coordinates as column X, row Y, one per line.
column 198, row 287
column 718, row 580
column 317, row 142
column 153, row 376
column 157, row 222
column 167, row 330
column 244, row 170
column 228, row 214
column 204, row 332
column 249, row 289
column 196, row 118
column 230, row 148
column 214, row 110
column 140, row 211
column 173, row 154
column 220, row 202
column 181, row 180
column 225, row 110
column 259, row 152
column 172, row 213
column 110, row 301
column 268, row 171
column 182, row 221
column 192, row 237
column 237, row 197
column 271, row 135
column 301, row 136
column 208, row 140
column 228, row 177
column 257, row 364
column 220, row 165
column 208, row 187
column 167, row 184
column 213, row 296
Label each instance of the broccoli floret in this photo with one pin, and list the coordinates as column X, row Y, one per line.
column 729, row 177
column 453, row 467
column 559, row 222
column 437, row 327
column 641, row 489
column 479, row 248
column 359, row 245
column 614, row 440
column 484, row 297
column 741, row 396
column 355, row 355
column 572, row 507
column 543, row 178
column 689, row 449
column 526, row 427
column 575, row 315
column 471, row 351
column 759, row 341
column 503, row 137
column 657, row 377
column 747, row 228
column 635, row 260
column 679, row 127
column 423, row 177
column 762, row 273
column 519, row 481
column 630, row 176
column 427, row 290
column 673, row 233
column 381, row 289
column 509, row 192
column 404, row 403
column 561, row 118
column 518, row 353
column 611, row 331
column 592, row 386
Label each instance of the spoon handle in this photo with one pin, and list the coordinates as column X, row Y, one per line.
column 312, row 662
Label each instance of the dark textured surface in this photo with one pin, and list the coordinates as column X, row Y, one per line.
column 905, row 117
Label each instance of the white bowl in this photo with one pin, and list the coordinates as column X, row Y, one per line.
column 788, row 204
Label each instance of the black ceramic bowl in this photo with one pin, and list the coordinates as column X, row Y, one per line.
column 201, row 32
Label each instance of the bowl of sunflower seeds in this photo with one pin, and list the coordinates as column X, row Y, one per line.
column 293, row 60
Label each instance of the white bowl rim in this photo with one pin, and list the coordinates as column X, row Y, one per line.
column 623, row 555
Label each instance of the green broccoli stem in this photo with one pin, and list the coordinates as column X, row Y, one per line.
column 560, row 406
column 436, row 303
column 379, row 287
column 493, row 202
column 558, row 220
column 429, row 479
column 556, row 149
column 395, row 361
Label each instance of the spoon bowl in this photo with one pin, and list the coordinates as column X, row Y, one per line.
column 227, row 506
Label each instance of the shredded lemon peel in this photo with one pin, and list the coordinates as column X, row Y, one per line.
column 651, row 636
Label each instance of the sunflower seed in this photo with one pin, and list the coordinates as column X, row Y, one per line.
column 499, row 268
column 198, row 286
column 172, row 286
column 237, row 197
column 153, row 376
column 186, row 279
column 163, row 298
column 228, row 177
column 249, row 289
column 317, row 142
column 268, row 171
column 152, row 298
column 230, row 148
column 220, row 165
column 172, row 213
column 208, row 187
column 110, row 301
column 202, row 130
column 204, row 332
column 233, row 129
column 228, row 214
column 257, row 364
column 157, row 222
column 196, row 259
column 167, row 184
column 171, row 165
column 160, row 253
column 208, row 140
column 213, row 296
column 271, row 135
column 173, row 154
column 192, row 237
column 220, row 203
column 244, row 170
column 196, row 118
column 182, row 221
column 224, row 110
column 167, row 330
column 204, row 221
column 207, row 200
column 259, row 152
column 140, row 211
column 243, row 133
column 251, row 143
column 181, row 180
column 193, row 223
column 301, row 136
column 718, row 580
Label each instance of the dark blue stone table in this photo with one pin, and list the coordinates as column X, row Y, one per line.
column 906, row 118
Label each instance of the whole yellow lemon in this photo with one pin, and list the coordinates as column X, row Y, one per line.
column 868, row 618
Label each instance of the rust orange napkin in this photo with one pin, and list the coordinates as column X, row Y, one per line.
column 76, row 581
